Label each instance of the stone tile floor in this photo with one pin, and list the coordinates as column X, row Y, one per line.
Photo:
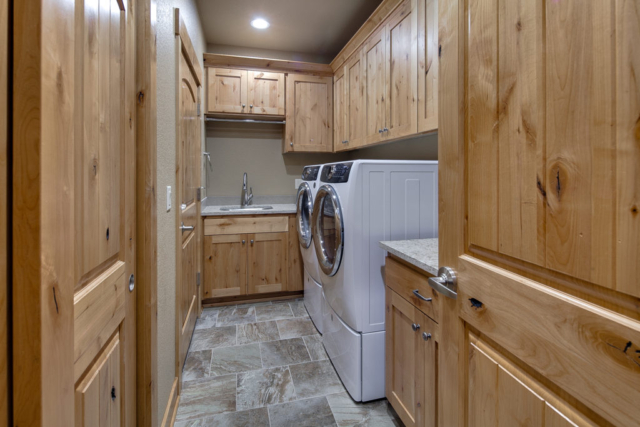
column 264, row 364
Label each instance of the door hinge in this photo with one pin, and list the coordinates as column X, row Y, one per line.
column 199, row 194
column 198, row 278
column 198, row 112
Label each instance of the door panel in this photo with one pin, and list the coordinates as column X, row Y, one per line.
column 427, row 65
column 98, row 402
column 267, row 271
column 375, row 87
column 227, row 91
column 355, row 99
column 187, row 223
column 501, row 394
column 225, row 265
column 401, row 71
column 295, row 266
column 404, row 359
column 266, row 93
column 309, row 124
column 339, row 114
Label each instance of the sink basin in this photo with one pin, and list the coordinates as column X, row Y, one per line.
column 250, row 208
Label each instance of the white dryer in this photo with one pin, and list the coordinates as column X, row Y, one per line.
column 304, row 202
column 359, row 204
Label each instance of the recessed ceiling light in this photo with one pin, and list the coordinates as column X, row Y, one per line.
column 259, row 23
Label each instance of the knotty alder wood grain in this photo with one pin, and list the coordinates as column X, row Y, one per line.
column 548, row 149
column 354, row 108
column 340, row 137
column 427, row 65
column 225, row 265
column 215, row 60
column 227, row 90
column 268, row 266
column 375, row 104
column 266, row 93
column 239, row 225
column 4, row 224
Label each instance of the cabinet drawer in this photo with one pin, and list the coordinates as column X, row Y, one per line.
column 244, row 225
column 404, row 280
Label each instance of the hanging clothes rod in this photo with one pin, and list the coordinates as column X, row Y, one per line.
column 273, row 122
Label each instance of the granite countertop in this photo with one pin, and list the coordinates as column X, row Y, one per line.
column 281, row 205
column 423, row 253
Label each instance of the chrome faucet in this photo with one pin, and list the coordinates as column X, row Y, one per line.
column 247, row 198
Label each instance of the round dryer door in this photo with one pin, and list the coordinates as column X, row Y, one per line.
column 328, row 230
column 303, row 214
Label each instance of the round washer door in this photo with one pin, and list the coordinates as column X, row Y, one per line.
column 328, row 229
column 304, row 205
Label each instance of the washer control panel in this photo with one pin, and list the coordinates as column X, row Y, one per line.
column 310, row 173
column 336, row 173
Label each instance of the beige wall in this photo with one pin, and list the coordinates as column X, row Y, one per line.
column 166, row 87
column 257, row 149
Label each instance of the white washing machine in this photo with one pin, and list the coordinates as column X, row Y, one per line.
column 304, row 202
column 357, row 205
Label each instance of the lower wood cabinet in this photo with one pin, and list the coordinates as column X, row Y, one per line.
column 265, row 261
column 411, row 362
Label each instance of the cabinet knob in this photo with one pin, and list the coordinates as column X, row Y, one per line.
column 251, row 106
column 244, row 241
column 291, row 144
column 243, row 105
column 379, row 130
column 385, row 130
column 426, row 336
column 415, row 326
column 252, row 241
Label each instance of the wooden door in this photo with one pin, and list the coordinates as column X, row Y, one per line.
column 339, row 114
column 401, row 71
column 309, row 114
column 266, row 93
column 227, row 91
column 267, row 263
column 188, row 208
column 427, row 65
column 225, row 265
column 539, row 160
column 74, row 214
column 375, row 87
column 355, row 100
column 404, row 359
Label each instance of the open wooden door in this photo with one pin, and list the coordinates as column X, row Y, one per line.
column 188, row 245
column 539, row 149
column 74, row 213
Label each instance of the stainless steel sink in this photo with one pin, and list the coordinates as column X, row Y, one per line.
column 250, row 208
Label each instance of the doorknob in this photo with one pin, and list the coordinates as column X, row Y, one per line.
column 186, row 227
column 445, row 282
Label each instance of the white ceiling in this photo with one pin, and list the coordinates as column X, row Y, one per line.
column 314, row 27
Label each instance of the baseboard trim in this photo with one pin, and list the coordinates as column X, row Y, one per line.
column 246, row 299
column 171, row 410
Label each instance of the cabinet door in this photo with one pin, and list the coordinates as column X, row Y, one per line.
column 375, row 89
column 295, row 281
column 309, row 114
column 354, row 100
column 225, row 265
column 339, row 114
column 267, row 263
column 402, row 71
column 266, row 93
column 227, row 91
column 427, row 65
column 98, row 395
column 404, row 359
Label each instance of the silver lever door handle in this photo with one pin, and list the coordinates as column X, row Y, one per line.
column 445, row 282
column 417, row 293
column 186, row 227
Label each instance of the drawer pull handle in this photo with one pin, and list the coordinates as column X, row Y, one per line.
column 415, row 327
column 417, row 293
column 426, row 336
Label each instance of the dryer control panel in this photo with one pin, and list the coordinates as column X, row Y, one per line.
column 310, row 173
column 336, row 173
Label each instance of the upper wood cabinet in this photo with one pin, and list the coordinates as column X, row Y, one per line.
column 245, row 92
column 339, row 116
column 266, row 93
column 227, row 91
column 379, row 91
column 309, row 114
column 401, row 71
column 427, row 65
